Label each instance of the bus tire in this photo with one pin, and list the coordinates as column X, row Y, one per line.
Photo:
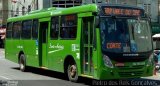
column 22, row 63
column 72, row 72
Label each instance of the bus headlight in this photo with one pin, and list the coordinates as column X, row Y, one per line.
column 107, row 61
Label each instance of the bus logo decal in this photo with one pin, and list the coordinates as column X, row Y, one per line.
column 54, row 51
column 78, row 55
column 37, row 42
column 57, row 47
column 75, row 47
column 36, row 51
column 20, row 47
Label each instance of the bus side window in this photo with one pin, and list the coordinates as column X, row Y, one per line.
column 9, row 30
column 54, row 29
column 68, row 27
column 26, row 29
column 16, row 30
column 73, row 33
column 35, row 29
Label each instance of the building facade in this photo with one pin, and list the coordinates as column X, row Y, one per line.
column 21, row 7
column 3, row 12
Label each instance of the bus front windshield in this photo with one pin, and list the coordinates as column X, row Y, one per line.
column 122, row 35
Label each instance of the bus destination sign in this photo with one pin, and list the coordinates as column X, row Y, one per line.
column 119, row 11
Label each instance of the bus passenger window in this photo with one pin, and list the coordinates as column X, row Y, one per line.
column 54, row 28
column 9, row 30
column 64, row 33
column 35, row 29
column 16, row 30
column 73, row 33
column 26, row 29
column 68, row 29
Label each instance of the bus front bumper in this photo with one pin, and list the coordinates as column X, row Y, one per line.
column 121, row 73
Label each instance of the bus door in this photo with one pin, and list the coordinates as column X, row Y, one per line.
column 87, row 45
column 43, row 43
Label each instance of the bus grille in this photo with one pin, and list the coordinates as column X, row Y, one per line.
column 130, row 68
column 130, row 74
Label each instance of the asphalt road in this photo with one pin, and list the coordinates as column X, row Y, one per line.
column 9, row 72
column 10, row 75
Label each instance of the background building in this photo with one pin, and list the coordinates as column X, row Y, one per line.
column 3, row 12
column 0, row 13
column 21, row 7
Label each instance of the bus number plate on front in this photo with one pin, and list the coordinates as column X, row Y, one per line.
column 138, row 63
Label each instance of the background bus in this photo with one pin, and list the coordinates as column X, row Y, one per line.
column 98, row 41
column 2, row 35
column 156, row 43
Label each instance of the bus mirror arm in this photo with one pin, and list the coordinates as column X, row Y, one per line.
column 97, row 21
column 96, row 25
column 149, row 19
column 94, row 40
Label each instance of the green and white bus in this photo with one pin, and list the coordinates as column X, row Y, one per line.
column 98, row 41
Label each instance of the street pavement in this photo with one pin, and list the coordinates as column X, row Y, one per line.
column 10, row 74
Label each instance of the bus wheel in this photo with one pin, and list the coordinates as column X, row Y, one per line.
column 22, row 63
column 72, row 72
